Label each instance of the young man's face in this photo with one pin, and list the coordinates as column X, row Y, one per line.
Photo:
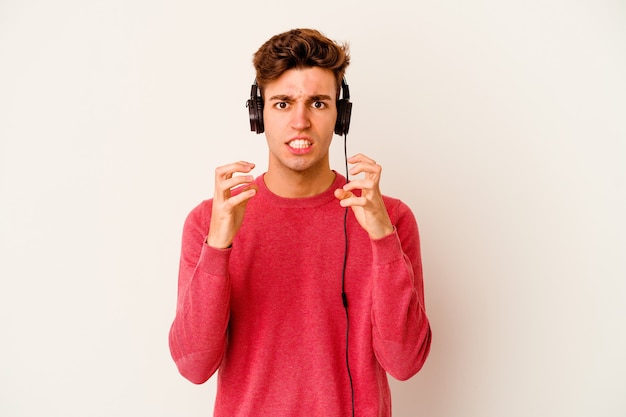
column 299, row 115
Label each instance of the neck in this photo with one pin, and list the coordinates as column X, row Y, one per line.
column 298, row 184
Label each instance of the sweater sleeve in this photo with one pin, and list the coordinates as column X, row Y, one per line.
column 401, row 330
column 197, row 336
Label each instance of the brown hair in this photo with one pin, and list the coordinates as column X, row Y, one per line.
column 299, row 48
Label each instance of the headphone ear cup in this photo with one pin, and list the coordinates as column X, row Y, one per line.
column 255, row 111
column 344, row 112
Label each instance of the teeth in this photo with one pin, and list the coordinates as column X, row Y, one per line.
column 300, row 143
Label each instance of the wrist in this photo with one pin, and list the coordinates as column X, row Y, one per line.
column 217, row 244
column 383, row 233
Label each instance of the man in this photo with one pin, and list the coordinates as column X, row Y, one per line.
column 302, row 288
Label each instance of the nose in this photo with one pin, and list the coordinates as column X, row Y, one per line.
column 300, row 119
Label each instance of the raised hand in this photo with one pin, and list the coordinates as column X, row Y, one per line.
column 229, row 207
column 369, row 207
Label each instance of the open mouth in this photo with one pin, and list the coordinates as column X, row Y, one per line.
column 299, row 144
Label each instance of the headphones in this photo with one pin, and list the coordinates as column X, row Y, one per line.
column 344, row 110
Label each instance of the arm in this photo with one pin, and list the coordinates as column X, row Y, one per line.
column 198, row 334
column 401, row 331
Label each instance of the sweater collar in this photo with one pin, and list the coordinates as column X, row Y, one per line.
column 306, row 202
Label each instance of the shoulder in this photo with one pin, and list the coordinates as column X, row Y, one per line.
column 199, row 215
column 396, row 208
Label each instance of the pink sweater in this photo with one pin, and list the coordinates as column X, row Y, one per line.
column 268, row 312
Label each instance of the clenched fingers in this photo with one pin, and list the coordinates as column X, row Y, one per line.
column 226, row 180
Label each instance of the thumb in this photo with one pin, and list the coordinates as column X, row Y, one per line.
column 342, row 194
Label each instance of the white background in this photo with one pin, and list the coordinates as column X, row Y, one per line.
column 501, row 123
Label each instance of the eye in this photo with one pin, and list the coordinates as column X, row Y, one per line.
column 319, row 104
column 281, row 105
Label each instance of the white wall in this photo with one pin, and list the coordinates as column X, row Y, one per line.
column 502, row 123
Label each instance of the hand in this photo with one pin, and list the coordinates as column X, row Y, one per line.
column 228, row 210
column 369, row 208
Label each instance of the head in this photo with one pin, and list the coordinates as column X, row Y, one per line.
column 299, row 74
column 299, row 48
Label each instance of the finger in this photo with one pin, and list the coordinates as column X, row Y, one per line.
column 365, row 165
column 225, row 178
column 342, row 193
column 353, row 201
column 237, row 181
column 360, row 184
column 224, row 188
column 359, row 157
column 242, row 197
column 348, row 199
column 226, row 171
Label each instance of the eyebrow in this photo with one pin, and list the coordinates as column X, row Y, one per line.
column 283, row 97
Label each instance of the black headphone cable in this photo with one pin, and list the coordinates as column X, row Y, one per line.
column 344, row 297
